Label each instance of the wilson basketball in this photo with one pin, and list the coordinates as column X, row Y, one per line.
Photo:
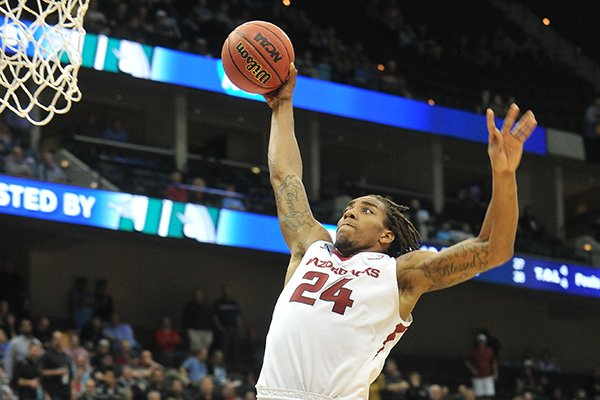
column 256, row 57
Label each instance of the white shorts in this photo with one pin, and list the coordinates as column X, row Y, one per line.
column 484, row 386
column 264, row 393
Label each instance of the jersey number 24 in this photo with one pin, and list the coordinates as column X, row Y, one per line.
column 336, row 293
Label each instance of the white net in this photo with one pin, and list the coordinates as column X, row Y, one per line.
column 40, row 56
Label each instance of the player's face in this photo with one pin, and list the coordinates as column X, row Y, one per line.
column 362, row 227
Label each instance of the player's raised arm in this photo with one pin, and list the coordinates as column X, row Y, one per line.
column 420, row 271
column 299, row 227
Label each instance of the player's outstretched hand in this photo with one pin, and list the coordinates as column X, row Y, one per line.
column 285, row 92
column 505, row 146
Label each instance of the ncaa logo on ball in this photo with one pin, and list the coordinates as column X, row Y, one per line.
column 268, row 46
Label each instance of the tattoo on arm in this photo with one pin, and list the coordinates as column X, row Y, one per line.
column 292, row 204
column 457, row 265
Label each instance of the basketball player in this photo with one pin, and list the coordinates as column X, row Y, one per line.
column 346, row 304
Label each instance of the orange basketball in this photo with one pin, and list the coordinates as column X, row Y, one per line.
column 256, row 57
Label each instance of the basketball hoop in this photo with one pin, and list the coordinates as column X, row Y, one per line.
column 40, row 56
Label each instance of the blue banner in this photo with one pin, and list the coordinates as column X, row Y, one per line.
column 165, row 218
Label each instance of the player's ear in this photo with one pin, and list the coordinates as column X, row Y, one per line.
column 387, row 237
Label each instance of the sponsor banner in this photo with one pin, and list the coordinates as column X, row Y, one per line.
column 165, row 218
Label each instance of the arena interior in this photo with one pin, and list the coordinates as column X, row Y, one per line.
column 146, row 210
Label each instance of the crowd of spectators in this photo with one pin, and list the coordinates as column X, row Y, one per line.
column 89, row 353
column 18, row 159
column 414, row 55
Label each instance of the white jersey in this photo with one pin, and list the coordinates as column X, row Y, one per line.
column 333, row 326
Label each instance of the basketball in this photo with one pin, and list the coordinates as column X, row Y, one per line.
column 256, row 57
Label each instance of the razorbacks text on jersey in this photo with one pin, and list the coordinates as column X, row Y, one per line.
column 333, row 326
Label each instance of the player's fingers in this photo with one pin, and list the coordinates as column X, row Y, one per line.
column 523, row 126
column 528, row 130
column 511, row 117
column 293, row 72
column 491, row 125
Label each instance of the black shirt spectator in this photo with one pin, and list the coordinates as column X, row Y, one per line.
column 56, row 369
column 28, row 374
column 226, row 318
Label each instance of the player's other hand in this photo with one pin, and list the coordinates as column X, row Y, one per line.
column 505, row 146
column 285, row 92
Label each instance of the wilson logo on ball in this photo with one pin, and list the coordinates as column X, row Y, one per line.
column 268, row 46
column 252, row 65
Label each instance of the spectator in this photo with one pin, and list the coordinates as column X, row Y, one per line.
column 148, row 364
column 436, row 392
column 483, row 367
column 18, row 164
column 125, row 353
column 392, row 80
column 103, row 301
column 49, row 170
column 207, row 389
column 19, row 126
column 175, row 191
column 395, row 385
column 227, row 321
column 592, row 131
column 232, row 199
column 91, row 332
column 420, row 218
column 115, row 131
column 96, row 21
column 43, row 331
column 194, row 367
column 592, row 120
column 547, row 363
column 90, row 392
column 6, row 139
column 218, row 369
column 415, row 390
column 56, row 369
column 465, row 232
column 167, row 341
column 444, row 234
column 485, row 101
column 81, row 303
column 18, row 347
column 81, row 372
column 27, row 377
column 198, row 195
column 166, row 26
column 6, row 392
column 10, row 326
column 177, row 391
column 109, row 389
column 228, row 392
column 102, row 350
column 128, row 381
column 118, row 331
column 197, row 322
column 529, row 226
column 158, row 383
column 3, row 345
column 4, row 311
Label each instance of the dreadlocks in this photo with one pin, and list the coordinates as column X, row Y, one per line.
column 407, row 238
